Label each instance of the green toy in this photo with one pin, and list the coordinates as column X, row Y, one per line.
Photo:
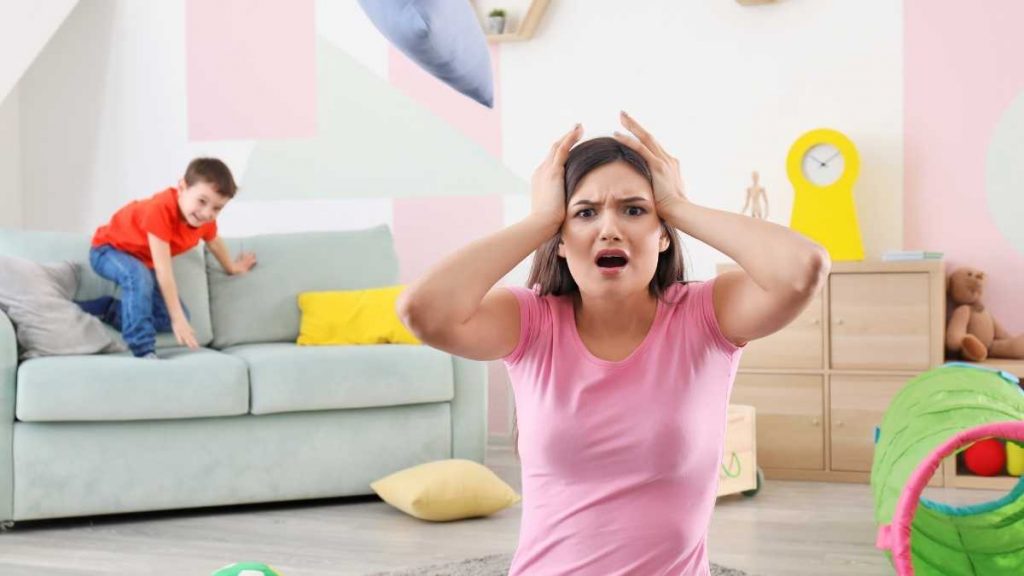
column 935, row 415
column 246, row 569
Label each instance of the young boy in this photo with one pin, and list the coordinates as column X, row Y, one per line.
column 135, row 248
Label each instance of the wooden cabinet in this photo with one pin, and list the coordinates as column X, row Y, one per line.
column 857, row 405
column 799, row 345
column 789, row 418
column 880, row 321
column 821, row 385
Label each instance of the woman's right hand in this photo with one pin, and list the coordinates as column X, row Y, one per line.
column 548, row 195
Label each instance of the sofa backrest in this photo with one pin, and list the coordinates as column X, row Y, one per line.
column 47, row 247
column 262, row 306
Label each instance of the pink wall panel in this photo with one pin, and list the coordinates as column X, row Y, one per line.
column 428, row 229
column 479, row 123
column 251, row 69
column 963, row 66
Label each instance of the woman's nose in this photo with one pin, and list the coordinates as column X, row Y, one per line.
column 610, row 228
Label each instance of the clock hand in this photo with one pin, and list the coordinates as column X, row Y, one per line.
column 813, row 157
column 831, row 158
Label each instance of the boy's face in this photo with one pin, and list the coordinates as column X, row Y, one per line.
column 199, row 203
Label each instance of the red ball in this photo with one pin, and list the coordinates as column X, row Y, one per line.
column 986, row 458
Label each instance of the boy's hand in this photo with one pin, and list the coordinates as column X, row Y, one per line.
column 183, row 333
column 244, row 263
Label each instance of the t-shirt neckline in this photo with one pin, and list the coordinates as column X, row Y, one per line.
column 586, row 353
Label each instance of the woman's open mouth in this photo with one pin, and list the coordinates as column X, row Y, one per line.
column 611, row 262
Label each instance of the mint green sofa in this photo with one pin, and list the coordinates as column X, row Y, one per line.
column 249, row 417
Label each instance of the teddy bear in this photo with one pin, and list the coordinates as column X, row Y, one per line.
column 972, row 332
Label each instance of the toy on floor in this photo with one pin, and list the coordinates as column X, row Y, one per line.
column 246, row 569
column 972, row 331
column 986, row 458
column 1014, row 459
column 935, row 415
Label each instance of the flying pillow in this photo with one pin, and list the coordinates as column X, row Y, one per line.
column 443, row 37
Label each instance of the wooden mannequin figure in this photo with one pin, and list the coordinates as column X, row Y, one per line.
column 757, row 200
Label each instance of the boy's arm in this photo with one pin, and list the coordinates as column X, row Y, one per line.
column 161, row 253
column 245, row 262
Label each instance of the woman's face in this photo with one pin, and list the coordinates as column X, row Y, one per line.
column 612, row 236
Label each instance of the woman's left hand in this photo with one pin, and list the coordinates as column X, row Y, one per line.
column 668, row 182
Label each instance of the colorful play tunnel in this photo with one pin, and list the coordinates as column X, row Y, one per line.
column 936, row 415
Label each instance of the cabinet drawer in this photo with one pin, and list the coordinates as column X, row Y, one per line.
column 857, row 407
column 789, row 418
column 880, row 321
column 799, row 345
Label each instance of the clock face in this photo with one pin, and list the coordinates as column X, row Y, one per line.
column 823, row 164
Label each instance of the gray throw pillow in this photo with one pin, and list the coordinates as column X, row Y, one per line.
column 37, row 299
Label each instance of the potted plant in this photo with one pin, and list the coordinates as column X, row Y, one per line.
column 496, row 21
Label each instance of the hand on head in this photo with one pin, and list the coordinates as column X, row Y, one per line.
column 668, row 181
column 548, row 184
column 548, row 196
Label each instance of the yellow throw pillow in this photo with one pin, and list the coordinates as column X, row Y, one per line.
column 352, row 317
column 446, row 490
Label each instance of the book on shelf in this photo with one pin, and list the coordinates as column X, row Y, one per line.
column 900, row 255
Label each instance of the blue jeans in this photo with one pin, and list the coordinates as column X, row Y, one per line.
column 141, row 312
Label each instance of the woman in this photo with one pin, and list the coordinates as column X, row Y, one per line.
column 621, row 371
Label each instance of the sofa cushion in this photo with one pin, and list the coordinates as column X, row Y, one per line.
column 262, row 306
column 181, row 384
column 48, row 247
column 290, row 378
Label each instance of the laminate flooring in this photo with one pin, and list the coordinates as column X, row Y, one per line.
column 789, row 528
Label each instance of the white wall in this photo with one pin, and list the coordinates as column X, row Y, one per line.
column 25, row 26
column 726, row 88
column 10, row 161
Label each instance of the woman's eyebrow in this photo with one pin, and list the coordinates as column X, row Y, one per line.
column 631, row 199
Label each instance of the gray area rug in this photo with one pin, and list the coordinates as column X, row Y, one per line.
column 497, row 565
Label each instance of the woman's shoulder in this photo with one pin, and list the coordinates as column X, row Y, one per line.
column 679, row 292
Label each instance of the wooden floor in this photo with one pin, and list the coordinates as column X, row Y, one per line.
column 790, row 528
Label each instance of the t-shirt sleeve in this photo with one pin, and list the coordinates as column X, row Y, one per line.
column 211, row 232
column 703, row 307
column 532, row 316
column 158, row 218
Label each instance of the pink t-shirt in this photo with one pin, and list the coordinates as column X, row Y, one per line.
column 620, row 460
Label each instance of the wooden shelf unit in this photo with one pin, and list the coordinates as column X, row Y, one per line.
column 528, row 25
column 821, row 385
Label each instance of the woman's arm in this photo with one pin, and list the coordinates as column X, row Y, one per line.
column 453, row 306
column 782, row 270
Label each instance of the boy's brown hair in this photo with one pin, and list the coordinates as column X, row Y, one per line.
column 213, row 172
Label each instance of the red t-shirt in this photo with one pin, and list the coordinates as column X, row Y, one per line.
column 129, row 228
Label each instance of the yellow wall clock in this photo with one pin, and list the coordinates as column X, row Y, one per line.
column 823, row 165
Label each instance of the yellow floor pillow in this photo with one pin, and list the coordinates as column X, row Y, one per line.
column 446, row 490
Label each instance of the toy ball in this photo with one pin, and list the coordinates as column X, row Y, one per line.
column 1015, row 459
column 246, row 569
column 985, row 457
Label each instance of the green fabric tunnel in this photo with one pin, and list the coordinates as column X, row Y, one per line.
column 935, row 415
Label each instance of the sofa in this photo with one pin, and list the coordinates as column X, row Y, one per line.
column 250, row 416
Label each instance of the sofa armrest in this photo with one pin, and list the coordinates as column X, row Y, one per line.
column 469, row 409
column 8, row 371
